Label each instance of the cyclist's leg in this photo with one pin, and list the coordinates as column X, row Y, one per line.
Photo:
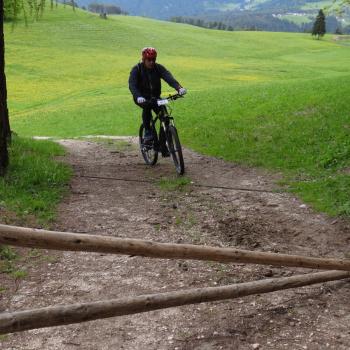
column 146, row 120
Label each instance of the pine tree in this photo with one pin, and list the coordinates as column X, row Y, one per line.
column 319, row 28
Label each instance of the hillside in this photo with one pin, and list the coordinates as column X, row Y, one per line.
column 266, row 99
column 170, row 8
column 265, row 114
column 266, row 15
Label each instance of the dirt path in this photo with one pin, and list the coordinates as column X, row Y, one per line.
column 314, row 317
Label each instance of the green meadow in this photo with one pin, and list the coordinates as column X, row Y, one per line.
column 274, row 100
column 34, row 184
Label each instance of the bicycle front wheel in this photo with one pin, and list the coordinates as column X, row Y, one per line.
column 175, row 149
column 148, row 150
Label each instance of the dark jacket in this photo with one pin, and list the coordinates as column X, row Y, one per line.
column 146, row 83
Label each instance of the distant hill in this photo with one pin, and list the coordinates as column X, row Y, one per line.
column 167, row 8
column 268, row 15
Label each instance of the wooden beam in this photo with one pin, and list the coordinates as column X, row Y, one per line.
column 25, row 237
column 77, row 313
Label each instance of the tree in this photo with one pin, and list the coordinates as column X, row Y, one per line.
column 319, row 28
column 4, row 123
column 338, row 31
column 96, row 7
column 112, row 9
column 10, row 9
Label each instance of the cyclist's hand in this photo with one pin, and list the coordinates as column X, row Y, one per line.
column 141, row 100
column 182, row 91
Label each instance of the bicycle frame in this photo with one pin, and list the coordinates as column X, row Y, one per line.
column 166, row 139
column 164, row 116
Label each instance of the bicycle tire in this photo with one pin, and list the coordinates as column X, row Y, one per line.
column 175, row 149
column 149, row 152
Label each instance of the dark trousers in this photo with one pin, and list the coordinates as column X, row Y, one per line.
column 147, row 115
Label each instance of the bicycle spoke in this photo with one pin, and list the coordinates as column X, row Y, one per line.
column 148, row 151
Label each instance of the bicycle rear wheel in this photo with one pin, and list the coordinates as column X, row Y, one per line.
column 149, row 151
column 175, row 149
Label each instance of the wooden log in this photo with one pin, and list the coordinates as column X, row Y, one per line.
column 77, row 313
column 25, row 237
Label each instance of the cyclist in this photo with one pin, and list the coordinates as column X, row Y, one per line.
column 145, row 84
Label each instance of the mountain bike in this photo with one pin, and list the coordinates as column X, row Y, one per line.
column 167, row 139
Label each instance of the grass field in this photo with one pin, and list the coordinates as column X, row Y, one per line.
column 318, row 5
column 35, row 182
column 275, row 100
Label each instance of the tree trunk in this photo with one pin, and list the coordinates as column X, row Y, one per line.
column 4, row 121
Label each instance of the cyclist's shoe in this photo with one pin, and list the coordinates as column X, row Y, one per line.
column 165, row 153
column 148, row 137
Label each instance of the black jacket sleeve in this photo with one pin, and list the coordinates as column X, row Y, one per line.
column 133, row 79
column 167, row 76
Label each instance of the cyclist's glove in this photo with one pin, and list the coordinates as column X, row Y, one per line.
column 182, row 91
column 141, row 100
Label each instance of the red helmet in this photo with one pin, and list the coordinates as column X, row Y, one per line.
column 149, row 52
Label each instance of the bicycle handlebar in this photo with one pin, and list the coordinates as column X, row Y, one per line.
column 158, row 101
column 165, row 101
column 173, row 97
